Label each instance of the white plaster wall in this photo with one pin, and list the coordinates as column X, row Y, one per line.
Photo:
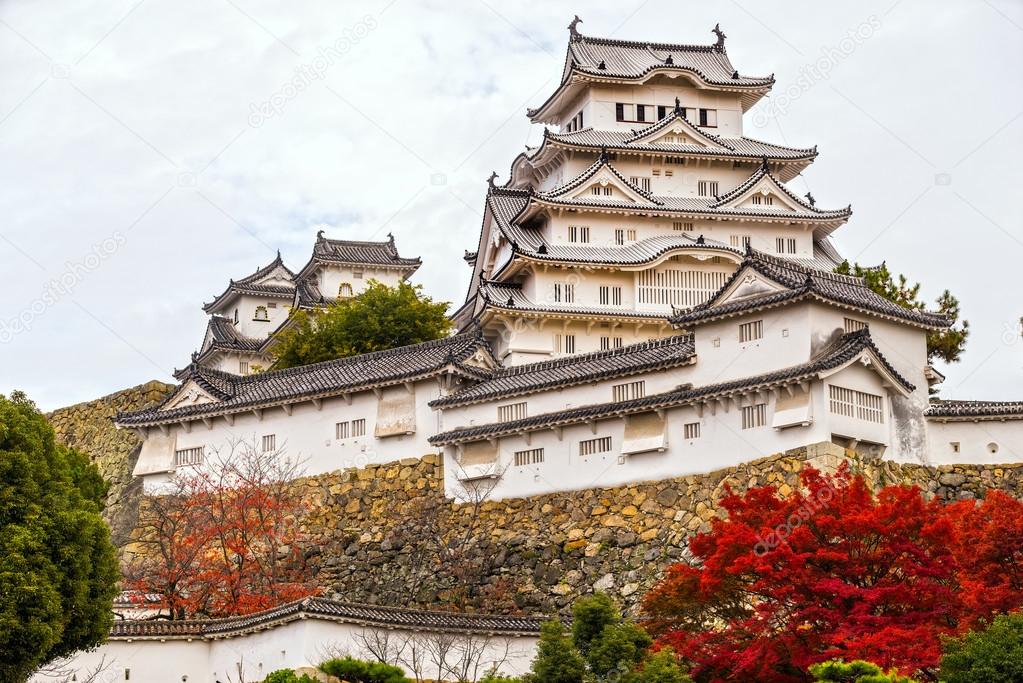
column 307, row 435
column 529, row 339
column 599, row 102
column 300, row 643
column 331, row 276
column 975, row 442
column 248, row 326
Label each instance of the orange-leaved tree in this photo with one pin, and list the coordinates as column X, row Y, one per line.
column 223, row 538
column 834, row 571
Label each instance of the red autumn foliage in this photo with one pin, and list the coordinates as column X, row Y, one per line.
column 223, row 541
column 835, row 572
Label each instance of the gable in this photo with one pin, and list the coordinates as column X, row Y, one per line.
column 678, row 132
column 605, row 186
column 189, row 394
column 765, row 196
column 748, row 284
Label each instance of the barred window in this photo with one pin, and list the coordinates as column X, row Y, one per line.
column 533, row 456
column 359, row 427
column 691, row 430
column 189, row 456
column 785, row 245
column 564, row 292
column 342, row 430
column 591, row 446
column 619, row 236
column 610, row 295
column 269, row 443
column 243, row 367
column 344, row 291
column 853, row 325
column 512, row 411
column 564, row 343
column 751, row 331
column 857, row 404
column 754, row 415
column 682, row 225
column 707, row 188
column 641, row 182
column 579, row 233
column 608, row 343
column 628, row 391
column 742, row 241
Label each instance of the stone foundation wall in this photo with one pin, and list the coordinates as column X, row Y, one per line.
column 88, row 427
column 384, row 534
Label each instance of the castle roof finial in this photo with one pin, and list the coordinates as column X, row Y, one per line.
column 572, row 30
column 491, row 179
column 763, row 165
column 720, row 44
column 319, row 235
column 604, row 156
column 810, row 200
column 678, row 106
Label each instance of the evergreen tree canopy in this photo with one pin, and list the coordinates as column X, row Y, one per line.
column 379, row 318
column 948, row 345
column 58, row 571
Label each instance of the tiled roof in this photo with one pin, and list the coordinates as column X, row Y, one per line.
column 251, row 284
column 329, row 378
column 712, row 206
column 329, row 610
column 572, row 370
column 975, row 410
column 802, row 282
column 509, row 297
column 361, row 253
column 843, row 350
column 607, row 58
column 222, row 334
column 633, row 253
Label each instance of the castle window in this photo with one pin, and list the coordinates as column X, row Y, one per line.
column 740, row 241
column 630, row 235
column 785, row 245
column 642, row 183
column 236, row 316
column 853, row 325
column 677, row 287
column 707, row 188
column 619, row 111
column 610, row 296
column 564, row 292
column 189, row 456
column 342, row 430
column 261, row 313
column 628, row 391
column 682, row 225
column 754, row 416
column 751, row 331
column 512, row 411
column 564, row 343
column 359, row 427
column 606, row 191
column 357, row 274
column 691, row 430
column 592, row 446
column 709, row 118
column 608, row 343
column 272, row 304
column 619, row 236
column 345, row 290
column 269, row 443
column 579, row 233
column 662, row 111
column 857, row 404
column 243, row 367
column 533, row 456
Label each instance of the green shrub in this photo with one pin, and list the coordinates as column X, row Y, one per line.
column 994, row 655
column 286, row 676
column 498, row 677
column 660, row 667
column 857, row 671
column 557, row 659
column 358, row 671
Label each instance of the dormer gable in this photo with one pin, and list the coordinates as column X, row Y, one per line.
column 762, row 191
column 601, row 182
column 748, row 283
column 675, row 129
column 189, row 394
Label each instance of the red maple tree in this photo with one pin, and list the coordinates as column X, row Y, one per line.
column 224, row 540
column 835, row 572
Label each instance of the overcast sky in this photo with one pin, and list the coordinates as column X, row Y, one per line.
column 143, row 164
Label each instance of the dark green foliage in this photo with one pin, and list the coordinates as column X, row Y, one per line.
column 379, row 318
column 947, row 345
column 494, row 677
column 287, row 676
column 58, row 571
column 557, row 660
column 358, row 671
column 660, row 667
column 994, row 655
column 857, row 671
column 619, row 647
column 589, row 618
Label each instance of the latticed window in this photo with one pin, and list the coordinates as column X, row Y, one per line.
column 564, row 343
column 682, row 225
column 857, row 404
column 751, row 331
column 599, row 445
column 359, row 427
column 608, row 343
column 691, row 430
column 610, row 295
column 628, row 391
column 261, row 313
column 533, row 456
column 707, row 188
column 512, row 411
column 345, row 290
column 579, row 233
column 677, row 287
column 853, row 325
column 189, row 456
column 641, row 182
column 741, row 241
column 754, row 415
column 564, row 292
column 269, row 443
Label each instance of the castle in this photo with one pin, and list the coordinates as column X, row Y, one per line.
column 648, row 299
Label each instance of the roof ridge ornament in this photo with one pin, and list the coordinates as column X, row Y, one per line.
column 720, row 44
column 678, row 106
column 572, row 30
column 763, row 165
column 810, row 200
column 669, row 61
column 491, row 179
column 319, row 235
column 604, row 156
column 602, row 66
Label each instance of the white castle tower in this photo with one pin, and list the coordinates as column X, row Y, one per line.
column 642, row 198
